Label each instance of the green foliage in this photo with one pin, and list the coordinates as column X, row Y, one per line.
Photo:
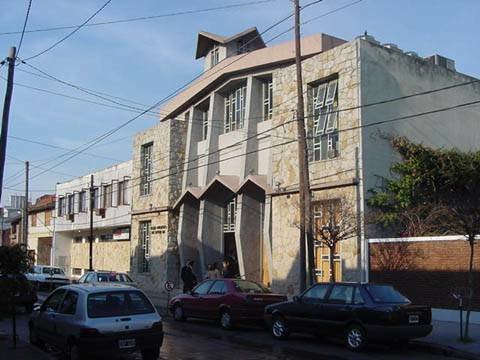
column 424, row 181
column 14, row 259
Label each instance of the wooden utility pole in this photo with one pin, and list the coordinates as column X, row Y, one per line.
column 25, row 206
column 303, row 170
column 90, row 238
column 6, row 112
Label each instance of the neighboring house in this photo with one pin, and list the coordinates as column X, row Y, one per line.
column 111, row 221
column 9, row 217
column 218, row 175
column 40, row 228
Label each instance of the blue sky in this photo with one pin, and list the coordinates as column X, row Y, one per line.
column 146, row 60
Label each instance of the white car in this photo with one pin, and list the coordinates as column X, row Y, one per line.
column 40, row 273
column 84, row 320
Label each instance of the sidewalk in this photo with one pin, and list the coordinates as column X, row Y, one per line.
column 444, row 338
column 23, row 351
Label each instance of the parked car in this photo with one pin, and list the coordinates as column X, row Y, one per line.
column 39, row 273
column 106, row 276
column 24, row 294
column 227, row 300
column 87, row 319
column 358, row 312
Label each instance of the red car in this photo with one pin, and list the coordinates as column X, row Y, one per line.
column 228, row 300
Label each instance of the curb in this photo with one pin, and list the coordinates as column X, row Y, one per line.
column 444, row 350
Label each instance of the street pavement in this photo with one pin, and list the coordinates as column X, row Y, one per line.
column 198, row 340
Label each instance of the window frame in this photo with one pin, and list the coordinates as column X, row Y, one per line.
column 214, row 55
column 267, row 99
column 63, row 300
column 146, row 152
column 145, row 245
column 234, row 108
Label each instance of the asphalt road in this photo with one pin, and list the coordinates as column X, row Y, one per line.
column 198, row 340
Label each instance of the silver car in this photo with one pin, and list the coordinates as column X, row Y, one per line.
column 99, row 319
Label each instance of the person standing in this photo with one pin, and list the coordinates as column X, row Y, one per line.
column 212, row 272
column 188, row 277
column 229, row 269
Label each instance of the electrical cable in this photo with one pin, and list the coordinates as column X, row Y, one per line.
column 24, row 27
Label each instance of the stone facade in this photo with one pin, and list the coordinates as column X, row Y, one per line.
column 107, row 256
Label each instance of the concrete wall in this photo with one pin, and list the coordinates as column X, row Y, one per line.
column 386, row 74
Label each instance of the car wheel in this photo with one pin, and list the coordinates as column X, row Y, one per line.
column 279, row 328
column 151, row 354
column 178, row 313
column 73, row 352
column 33, row 338
column 355, row 338
column 226, row 319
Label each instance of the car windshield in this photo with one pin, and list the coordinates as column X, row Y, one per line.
column 118, row 303
column 48, row 270
column 249, row 287
column 385, row 294
column 113, row 277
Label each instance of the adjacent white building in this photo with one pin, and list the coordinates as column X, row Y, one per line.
column 111, row 221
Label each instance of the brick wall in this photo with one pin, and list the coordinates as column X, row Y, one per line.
column 427, row 272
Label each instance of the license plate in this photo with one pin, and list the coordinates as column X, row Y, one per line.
column 413, row 319
column 127, row 343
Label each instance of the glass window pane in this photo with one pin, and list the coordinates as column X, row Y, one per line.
column 202, row 289
column 118, row 303
column 317, row 292
column 341, row 294
column 69, row 304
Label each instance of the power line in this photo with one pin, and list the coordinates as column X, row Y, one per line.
column 71, row 33
column 59, row 147
column 24, row 27
column 142, row 18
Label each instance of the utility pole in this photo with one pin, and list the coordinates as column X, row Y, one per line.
column 6, row 112
column 25, row 206
column 303, row 170
column 90, row 238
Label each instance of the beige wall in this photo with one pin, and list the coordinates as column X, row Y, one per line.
column 114, row 255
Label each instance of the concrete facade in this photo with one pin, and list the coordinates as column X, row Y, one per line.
column 111, row 221
column 197, row 174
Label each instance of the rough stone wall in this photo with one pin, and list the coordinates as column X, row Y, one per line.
column 342, row 62
column 113, row 255
column 168, row 139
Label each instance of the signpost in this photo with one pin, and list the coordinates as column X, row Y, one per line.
column 169, row 286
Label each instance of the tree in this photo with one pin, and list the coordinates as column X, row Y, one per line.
column 14, row 261
column 433, row 191
column 334, row 221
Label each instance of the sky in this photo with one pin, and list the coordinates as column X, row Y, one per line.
column 142, row 62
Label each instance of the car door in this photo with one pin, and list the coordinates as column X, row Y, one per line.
column 215, row 297
column 305, row 312
column 46, row 319
column 337, row 310
column 65, row 319
column 193, row 304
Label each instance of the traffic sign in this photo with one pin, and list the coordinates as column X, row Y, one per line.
column 169, row 285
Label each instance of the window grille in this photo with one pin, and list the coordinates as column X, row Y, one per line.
column 325, row 121
column 229, row 216
column 214, row 56
column 144, row 253
column 204, row 125
column 235, row 109
column 146, row 170
column 267, row 88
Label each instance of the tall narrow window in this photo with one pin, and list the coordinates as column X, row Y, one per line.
column 325, row 121
column 267, row 91
column 214, row 55
column 235, row 109
column 70, row 204
column 229, row 216
column 96, row 197
column 107, row 196
column 82, row 201
column 146, row 170
column 144, row 250
column 61, row 207
column 204, row 125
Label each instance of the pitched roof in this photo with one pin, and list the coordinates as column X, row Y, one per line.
column 205, row 40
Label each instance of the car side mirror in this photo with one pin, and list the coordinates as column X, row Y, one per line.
column 297, row 299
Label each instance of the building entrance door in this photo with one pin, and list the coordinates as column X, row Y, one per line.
column 229, row 246
column 44, row 251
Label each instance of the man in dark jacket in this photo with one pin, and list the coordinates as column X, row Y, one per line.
column 229, row 270
column 188, row 277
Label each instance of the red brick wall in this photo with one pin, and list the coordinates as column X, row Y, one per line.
column 427, row 272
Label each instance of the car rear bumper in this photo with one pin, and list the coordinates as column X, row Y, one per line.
column 107, row 344
column 398, row 332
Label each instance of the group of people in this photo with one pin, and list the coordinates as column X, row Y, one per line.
column 229, row 271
